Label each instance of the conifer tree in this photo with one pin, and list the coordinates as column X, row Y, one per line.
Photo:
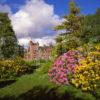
column 72, row 27
column 91, row 29
column 8, row 40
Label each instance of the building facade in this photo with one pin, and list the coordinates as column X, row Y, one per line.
column 35, row 52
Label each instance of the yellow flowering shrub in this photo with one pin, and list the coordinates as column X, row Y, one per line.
column 11, row 68
column 87, row 73
column 88, row 48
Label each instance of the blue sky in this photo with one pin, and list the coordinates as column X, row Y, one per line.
column 60, row 6
column 87, row 6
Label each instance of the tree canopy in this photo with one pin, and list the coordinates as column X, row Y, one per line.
column 72, row 26
column 8, row 40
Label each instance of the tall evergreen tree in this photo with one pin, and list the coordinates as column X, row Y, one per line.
column 91, row 29
column 72, row 26
column 8, row 40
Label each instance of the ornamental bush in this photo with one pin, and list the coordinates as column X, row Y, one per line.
column 12, row 68
column 78, row 68
column 87, row 75
column 64, row 67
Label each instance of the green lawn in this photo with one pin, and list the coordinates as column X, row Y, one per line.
column 24, row 84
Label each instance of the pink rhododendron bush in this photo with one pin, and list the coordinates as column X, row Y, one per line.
column 64, row 67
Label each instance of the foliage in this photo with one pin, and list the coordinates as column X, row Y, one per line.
column 87, row 74
column 21, row 51
column 68, row 42
column 72, row 22
column 98, row 11
column 8, row 40
column 72, row 40
column 87, row 48
column 72, row 27
column 12, row 68
column 64, row 67
column 91, row 28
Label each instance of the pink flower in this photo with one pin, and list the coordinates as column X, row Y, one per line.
column 64, row 66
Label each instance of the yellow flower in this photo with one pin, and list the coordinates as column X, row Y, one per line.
column 87, row 72
column 84, row 88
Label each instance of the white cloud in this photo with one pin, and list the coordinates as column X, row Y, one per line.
column 34, row 19
column 24, row 41
column 45, row 40
column 42, row 41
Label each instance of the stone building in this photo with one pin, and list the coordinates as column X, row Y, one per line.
column 35, row 52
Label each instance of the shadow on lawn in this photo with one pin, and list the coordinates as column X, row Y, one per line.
column 8, row 98
column 4, row 83
column 39, row 93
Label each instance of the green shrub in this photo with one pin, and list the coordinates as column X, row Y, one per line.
column 13, row 68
